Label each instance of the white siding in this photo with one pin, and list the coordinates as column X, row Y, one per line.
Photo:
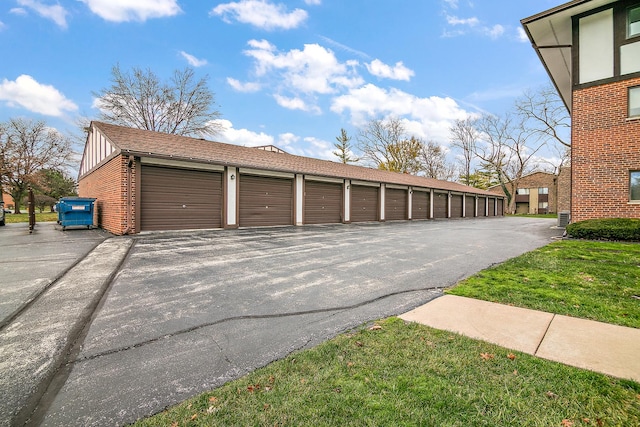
column 96, row 150
column 596, row 46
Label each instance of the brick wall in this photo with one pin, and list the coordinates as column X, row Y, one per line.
column 605, row 147
column 539, row 180
column 110, row 186
column 564, row 189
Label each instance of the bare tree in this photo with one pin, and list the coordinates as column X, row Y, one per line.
column 546, row 114
column 463, row 135
column 506, row 149
column 343, row 148
column 385, row 144
column 183, row 106
column 434, row 162
column 27, row 147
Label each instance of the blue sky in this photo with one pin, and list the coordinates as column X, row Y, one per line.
column 286, row 72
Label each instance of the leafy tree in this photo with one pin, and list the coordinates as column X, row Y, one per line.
column 53, row 183
column 482, row 179
column 27, row 147
column 182, row 106
column 385, row 144
column 343, row 148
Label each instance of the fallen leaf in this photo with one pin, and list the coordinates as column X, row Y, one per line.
column 566, row 423
column 375, row 328
column 211, row 410
column 252, row 388
column 511, row 356
column 272, row 379
column 586, row 420
column 359, row 344
column 265, row 407
column 600, row 422
column 213, row 399
column 174, row 424
column 302, row 381
column 349, row 364
column 194, row 416
column 515, row 372
column 267, row 388
column 551, row 395
column 487, row 356
column 338, row 390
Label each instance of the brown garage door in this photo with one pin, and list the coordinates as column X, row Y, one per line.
column 396, row 204
column 178, row 199
column 364, row 203
column 322, row 202
column 492, row 207
column 456, row 205
column 470, row 206
column 420, row 205
column 440, row 205
column 481, row 206
column 265, row 201
column 500, row 207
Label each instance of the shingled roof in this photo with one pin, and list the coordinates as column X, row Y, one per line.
column 144, row 143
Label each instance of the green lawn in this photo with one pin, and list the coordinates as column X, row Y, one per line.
column 591, row 280
column 550, row 215
column 411, row 375
column 24, row 217
column 400, row 374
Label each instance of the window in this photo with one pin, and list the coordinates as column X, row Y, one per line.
column 634, row 186
column 543, row 205
column 543, row 190
column 522, row 191
column 633, row 21
column 634, row 101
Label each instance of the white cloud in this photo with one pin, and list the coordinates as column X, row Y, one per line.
column 454, row 20
column 296, row 103
column 398, row 72
column 428, row 118
column 247, row 87
column 192, row 60
column 345, row 48
column 494, row 32
column 522, row 35
column 18, row 11
column 261, row 14
column 313, row 70
column 56, row 13
column 26, row 92
column 242, row 136
column 313, row 2
column 127, row 10
column 452, row 3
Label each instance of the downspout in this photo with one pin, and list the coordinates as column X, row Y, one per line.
column 130, row 165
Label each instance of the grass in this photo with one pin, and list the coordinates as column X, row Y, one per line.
column 401, row 374
column 549, row 215
column 406, row 374
column 592, row 280
column 24, row 217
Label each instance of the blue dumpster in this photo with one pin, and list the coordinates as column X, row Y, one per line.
column 74, row 211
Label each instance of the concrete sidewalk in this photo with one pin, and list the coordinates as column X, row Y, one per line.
column 596, row 346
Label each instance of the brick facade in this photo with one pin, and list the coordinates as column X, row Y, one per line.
column 113, row 201
column 605, row 148
column 558, row 197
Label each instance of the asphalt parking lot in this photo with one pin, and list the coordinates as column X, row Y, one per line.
column 187, row 312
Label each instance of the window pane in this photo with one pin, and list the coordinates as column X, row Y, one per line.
column 634, row 101
column 634, row 22
column 543, row 190
column 635, row 185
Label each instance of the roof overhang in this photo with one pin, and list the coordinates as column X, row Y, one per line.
column 551, row 34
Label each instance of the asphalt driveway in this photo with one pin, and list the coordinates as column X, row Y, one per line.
column 188, row 312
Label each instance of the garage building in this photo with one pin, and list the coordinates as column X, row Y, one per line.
column 148, row 181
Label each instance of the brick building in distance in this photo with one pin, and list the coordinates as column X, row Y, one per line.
column 541, row 192
column 591, row 50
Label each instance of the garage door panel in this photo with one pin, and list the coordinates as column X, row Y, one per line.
column 456, row 206
column 420, row 205
column 322, row 202
column 482, row 203
column 470, row 206
column 364, row 203
column 177, row 199
column 265, row 201
column 395, row 201
column 440, row 201
column 492, row 207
